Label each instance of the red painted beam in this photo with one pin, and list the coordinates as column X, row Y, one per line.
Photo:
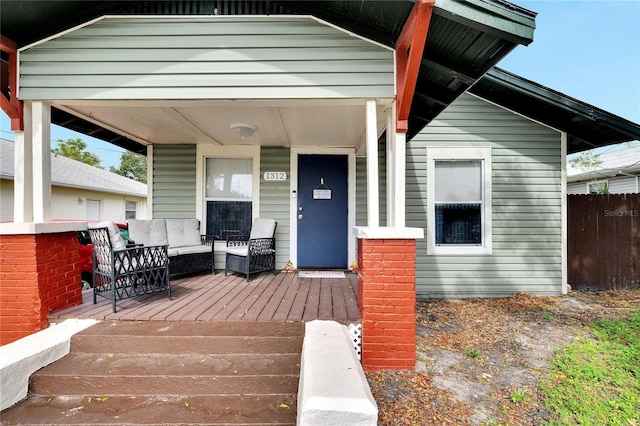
column 12, row 106
column 409, row 49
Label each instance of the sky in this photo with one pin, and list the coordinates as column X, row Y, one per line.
column 587, row 49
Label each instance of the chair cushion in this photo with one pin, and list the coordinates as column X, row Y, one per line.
column 183, row 232
column 117, row 242
column 194, row 249
column 263, row 228
column 238, row 251
column 148, row 232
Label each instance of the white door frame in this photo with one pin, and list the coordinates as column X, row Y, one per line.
column 351, row 216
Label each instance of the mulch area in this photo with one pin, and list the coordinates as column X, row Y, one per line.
column 479, row 360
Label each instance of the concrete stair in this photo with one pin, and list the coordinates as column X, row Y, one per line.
column 169, row 373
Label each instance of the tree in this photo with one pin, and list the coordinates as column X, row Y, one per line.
column 586, row 161
column 132, row 166
column 76, row 150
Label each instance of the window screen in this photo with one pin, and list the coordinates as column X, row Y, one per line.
column 458, row 202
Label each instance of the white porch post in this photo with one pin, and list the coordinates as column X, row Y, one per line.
column 391, row 152
column 23, row 171
column 373, row 196
column 41, row 131
column 399, row 172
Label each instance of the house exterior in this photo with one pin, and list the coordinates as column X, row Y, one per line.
column 78, row 191
column 371, row 131
column 618, row 172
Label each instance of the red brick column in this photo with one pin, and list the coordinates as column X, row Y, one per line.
column 39, row 274
column 387, row 301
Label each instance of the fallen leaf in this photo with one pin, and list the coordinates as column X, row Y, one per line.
column 283, row 405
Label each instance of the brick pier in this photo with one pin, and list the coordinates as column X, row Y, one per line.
column 40, row 273
column 387, row 301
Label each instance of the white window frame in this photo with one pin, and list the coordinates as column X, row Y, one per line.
column 135, row 210
column 483, row 154
column 204, row 151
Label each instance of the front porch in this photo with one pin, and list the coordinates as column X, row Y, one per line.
column 215, row 298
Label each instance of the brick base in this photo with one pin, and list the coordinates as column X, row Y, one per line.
column 39, row 274
column 387, row 301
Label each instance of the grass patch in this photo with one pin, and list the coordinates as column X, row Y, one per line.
column 597, row 381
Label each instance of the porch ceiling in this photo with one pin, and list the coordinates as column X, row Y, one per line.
column 280, row 123
column 465, row 39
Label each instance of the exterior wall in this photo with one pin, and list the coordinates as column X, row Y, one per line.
column 361, row 186
column 6, row 200
column 275, row 200
column 215, row 57
column 39, row 274
column 65, row 203
column 617, row 185
column 174, row 181
column 526, row 209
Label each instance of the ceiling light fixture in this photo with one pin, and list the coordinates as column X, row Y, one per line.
column 244, row 130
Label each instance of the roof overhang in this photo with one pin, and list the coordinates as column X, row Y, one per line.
column 465, row 38
column 587, row 126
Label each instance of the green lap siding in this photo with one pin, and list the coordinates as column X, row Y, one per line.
column 174, row 181
column 275, row 201
column 207, row 57
column 526, row 205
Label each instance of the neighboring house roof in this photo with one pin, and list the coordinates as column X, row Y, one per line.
column 613, row 163
column 465, row 38
column 74, row 174
column 588, row 127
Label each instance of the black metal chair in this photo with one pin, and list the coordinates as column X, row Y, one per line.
column 120, row 272
column 254, row 253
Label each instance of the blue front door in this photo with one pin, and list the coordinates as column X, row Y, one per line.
column 322, row 211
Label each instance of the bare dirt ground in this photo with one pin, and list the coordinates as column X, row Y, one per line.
column 479, row 361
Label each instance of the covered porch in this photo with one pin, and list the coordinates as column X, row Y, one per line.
column 284, row 297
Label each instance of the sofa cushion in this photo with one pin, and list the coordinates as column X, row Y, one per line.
column 194, row 249
column 148, row 232
column 117, row 242
column 263, row 228
column 183, row 232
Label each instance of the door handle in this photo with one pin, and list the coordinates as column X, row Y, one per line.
column 300, row 216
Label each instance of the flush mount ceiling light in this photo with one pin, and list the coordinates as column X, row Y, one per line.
column 244, row 130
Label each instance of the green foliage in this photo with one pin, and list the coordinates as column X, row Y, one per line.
column 597, row 381
column 519, row 395
column 76, row 150
column 132, row 166
column 586, row 161
column 473, row 353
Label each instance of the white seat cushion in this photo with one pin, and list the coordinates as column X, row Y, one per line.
column 238, row 251
column 194, row 249
column 183, row 232
column 148, row 232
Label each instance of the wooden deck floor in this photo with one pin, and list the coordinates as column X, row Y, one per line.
column 280, row 298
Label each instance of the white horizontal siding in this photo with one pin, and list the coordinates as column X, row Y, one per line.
column 206, row 58
column 526, row 205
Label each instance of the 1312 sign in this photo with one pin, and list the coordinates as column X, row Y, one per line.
column 275, row 175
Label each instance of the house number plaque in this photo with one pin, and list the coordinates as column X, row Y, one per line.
column 275, row 175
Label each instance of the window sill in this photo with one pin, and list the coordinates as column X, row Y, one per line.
column 459, row 251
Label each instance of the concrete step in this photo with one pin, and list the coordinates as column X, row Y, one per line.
column 169, row 373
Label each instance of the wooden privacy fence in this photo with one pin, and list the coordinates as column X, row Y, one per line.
column 603, row 241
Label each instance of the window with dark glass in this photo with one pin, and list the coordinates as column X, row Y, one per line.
column 228, row 196
column 458, row 201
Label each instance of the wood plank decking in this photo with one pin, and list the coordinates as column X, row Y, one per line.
column 280, row 298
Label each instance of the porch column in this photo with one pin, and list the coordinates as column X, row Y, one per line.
column 41, row 132
column 23, row 171
column 396, row 172
column 373, row 196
